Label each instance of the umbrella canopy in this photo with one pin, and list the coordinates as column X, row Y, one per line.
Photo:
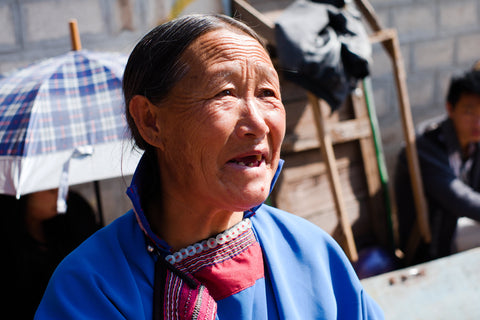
column 62, row 122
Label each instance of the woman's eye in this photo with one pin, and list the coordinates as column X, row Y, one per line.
column 226, row 92
column 267, row 93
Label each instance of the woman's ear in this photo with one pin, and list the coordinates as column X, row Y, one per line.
column 146, row 116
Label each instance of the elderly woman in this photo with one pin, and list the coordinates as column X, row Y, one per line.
column 203, row 101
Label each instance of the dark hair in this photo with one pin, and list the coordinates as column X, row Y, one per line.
column 468, row 83
column 155, row 65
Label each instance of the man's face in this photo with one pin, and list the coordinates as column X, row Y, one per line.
column 466, row 118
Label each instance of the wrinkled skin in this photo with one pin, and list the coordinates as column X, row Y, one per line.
column 218, row 136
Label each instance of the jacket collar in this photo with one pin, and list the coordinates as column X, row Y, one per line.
column 142, row 180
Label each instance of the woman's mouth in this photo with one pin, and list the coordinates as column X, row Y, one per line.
column 248, row 161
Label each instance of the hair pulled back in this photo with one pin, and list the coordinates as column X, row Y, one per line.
column 155, row 66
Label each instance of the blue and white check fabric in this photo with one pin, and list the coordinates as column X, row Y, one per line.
column 62, row 103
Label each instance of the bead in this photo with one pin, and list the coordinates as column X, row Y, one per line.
column 243, row 226
column 205, row 245
column 170, row 258
column 233, row 233
column 191, row 250
column 198, row 247
column 212, row 243
column 221, row 238
column 184, row 252
column 178, row 256
column 150, row 248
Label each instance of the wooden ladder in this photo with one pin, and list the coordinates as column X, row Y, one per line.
column 361, row 124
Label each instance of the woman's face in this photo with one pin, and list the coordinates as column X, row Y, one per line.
column 222, row 124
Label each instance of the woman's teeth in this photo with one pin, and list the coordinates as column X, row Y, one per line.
column 252, row 161
column 251, row 164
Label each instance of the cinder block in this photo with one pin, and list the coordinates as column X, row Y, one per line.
column 458, row 14
column 381, row 62
column 415, row 21
column 46, row 20
column 203, row 6
column 421, row 89
column 431, row 54
column 383, row 16
column 405, row 50
column 390, row 3
column 11, row 66
column 7, row 36
column 443, row 82
column 469, row 48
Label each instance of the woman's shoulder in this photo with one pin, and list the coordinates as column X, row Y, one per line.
column 287, row 220
column 295, row 229
column 112, row 245
column 294, row 246
column 92, row 270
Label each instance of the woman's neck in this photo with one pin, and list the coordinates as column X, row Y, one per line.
column 181, row 225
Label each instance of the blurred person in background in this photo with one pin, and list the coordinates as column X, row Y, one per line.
column 34, row 239
column 449, row 158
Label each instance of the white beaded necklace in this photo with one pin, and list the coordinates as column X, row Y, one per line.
column 210, row 243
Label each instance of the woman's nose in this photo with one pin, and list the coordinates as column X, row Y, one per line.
column 252, row 121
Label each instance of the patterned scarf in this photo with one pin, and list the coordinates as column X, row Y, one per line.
column 226, row 265
column 178, row 296
column 190, row 288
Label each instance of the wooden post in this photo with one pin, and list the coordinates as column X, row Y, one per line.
column 393, row 49
column 389, row 39
column 329, row 157
column 369, row 14
column 76, row 46
column 74, row 35
column 377, row 204
column 254, row 19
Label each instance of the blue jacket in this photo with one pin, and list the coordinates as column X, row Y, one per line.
column 307, row 276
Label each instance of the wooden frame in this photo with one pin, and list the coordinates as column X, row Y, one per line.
column 389, row 39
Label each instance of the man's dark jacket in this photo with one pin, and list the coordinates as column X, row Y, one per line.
column 451, row 185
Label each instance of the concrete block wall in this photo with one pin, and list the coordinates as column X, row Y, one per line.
column 35, row 29
column 32, row 30
column 438, row 39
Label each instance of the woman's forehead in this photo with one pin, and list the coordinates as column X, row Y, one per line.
column 225, row 45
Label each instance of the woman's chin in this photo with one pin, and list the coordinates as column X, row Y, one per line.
column 250, row 200
column 246, row 195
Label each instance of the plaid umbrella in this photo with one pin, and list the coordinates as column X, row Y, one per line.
column 62, row 122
